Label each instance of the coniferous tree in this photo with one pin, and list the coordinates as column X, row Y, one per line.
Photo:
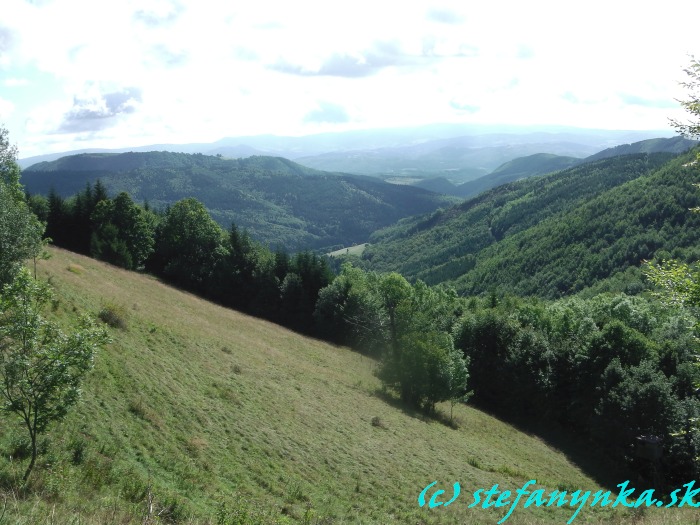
column 57, row 222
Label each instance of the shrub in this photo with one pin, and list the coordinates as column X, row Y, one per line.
column 113, row 315
column 77, row 447
column 377, row 422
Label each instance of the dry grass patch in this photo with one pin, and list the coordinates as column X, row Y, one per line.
column 76, row 269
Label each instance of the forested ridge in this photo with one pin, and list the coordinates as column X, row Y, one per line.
column 551, row 235
column 644, row 219
column 280, row 203
column 678, row 144
column 516, row 169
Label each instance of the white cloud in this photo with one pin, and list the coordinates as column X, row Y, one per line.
column 99, row 110
column 15, row 82
column 206, row 69
column 6, row 109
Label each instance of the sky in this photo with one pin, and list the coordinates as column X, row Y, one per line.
column 96, row 73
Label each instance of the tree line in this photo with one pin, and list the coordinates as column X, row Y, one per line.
column 185, row 246
column 617, row 371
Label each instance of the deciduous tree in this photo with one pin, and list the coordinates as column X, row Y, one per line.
column 122, row 233
column 189, row 245
column 20, row 230
column 41, row 367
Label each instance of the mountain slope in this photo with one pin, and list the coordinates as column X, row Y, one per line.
column 437, row 185
column 619, row 229
column 504, row 228
column 202, row 410
column 520, row 168
column 543, row 163
column 278, row 201
column 668, row 145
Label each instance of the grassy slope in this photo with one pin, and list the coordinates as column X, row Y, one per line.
column 200, row 406
column 351, row 250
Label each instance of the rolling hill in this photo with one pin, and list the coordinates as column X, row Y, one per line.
column 524, row 167
column 281, row 203
column 205, row 415
column 464, row 158
column 551, row 235
column 294, row 147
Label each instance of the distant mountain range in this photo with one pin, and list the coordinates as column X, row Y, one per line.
column 280, row 202
column 458, row 159
column 458, row 152
column 469, row 157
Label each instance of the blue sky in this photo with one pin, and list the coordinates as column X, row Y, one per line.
column 88, row 73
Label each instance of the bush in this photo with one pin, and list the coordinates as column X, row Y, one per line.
column 377, row 422
column 113, row 315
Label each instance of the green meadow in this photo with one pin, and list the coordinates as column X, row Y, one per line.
column 199, row 414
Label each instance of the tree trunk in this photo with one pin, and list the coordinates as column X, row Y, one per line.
column 33, row 460
column 392, row 329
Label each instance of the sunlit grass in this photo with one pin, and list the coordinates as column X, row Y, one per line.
column 200, row 413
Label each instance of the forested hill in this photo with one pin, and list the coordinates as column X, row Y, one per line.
column 552, row 235
column 667, row 145
column 516, row 169
column 122, row 162
column 544, row 163
column 280, row 202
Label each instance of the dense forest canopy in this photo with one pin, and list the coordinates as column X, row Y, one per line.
column 280, row 203
column 553, row 235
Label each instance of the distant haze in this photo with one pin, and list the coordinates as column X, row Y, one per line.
column 460, row 152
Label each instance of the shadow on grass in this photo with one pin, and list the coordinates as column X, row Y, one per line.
column 436, row 414
column 604, row 468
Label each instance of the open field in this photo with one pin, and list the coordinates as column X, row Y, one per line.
column 201, row 414
column 351, row 250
